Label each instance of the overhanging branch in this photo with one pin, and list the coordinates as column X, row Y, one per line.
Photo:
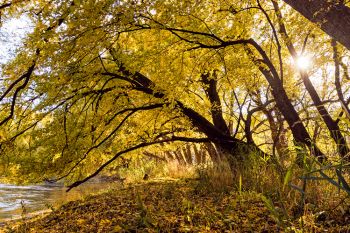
column 141, row 145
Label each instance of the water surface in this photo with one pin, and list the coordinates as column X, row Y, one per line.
column 17, row 201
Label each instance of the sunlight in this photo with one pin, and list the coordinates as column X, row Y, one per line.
column 12, row 32
column 303, row 62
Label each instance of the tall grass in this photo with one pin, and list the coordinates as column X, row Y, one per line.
column 297, row 196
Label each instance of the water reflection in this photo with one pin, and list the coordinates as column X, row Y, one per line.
column 16, row 199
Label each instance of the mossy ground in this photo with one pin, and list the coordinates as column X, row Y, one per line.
column 169, row 206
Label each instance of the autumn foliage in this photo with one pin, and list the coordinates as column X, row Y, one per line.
column 97, row 85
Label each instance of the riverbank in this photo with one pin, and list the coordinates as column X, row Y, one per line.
column 17, row 201
column 7, row 223
column 169, row 206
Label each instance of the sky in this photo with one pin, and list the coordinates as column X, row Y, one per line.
column 12, row 32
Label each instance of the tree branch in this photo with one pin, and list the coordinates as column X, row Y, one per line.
column 141, row 145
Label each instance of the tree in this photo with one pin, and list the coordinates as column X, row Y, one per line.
column 333, row 17
column 94, row 82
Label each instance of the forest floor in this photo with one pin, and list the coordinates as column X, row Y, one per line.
column 172, row 206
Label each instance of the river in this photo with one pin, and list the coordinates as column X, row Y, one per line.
column 15, row 201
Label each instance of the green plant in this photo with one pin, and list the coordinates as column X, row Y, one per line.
column 279, row 216
column 145, row 217
column 50, row 206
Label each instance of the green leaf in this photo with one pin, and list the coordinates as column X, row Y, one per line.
column 288, row 177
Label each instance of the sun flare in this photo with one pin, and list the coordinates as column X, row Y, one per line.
column 303, row 62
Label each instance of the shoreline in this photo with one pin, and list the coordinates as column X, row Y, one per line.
column 28, row 217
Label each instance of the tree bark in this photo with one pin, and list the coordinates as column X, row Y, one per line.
column 179, row 157
column 197, row 154
column 337, row 82
column 213, row 96
column 213, row 153
column 188, row 154
column 333, row 17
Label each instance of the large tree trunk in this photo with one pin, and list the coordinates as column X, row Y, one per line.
column 332, row 16
column 219, row 138
column 299, row 131
column 300, row 134
column 210, row 87
column 332, row 126
column 283, row 103
column 227, row 143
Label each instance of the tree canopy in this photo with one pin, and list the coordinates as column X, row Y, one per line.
column 96, row 80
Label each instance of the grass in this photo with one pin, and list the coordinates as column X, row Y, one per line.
column 251, row 197
column 176, row 205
